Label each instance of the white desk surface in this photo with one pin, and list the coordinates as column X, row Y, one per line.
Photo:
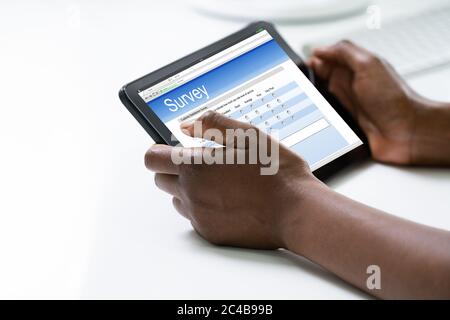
column 79, row 214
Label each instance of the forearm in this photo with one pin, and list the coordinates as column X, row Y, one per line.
column 346, row 237
column 431, row 137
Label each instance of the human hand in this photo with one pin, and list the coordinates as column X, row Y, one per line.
column 233, row 204
column 379, row 100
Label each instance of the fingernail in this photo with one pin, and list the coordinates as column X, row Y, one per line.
column 206, row 114
column 187, row 123
column 320, row 49
column 186, row 131
column 156, row 147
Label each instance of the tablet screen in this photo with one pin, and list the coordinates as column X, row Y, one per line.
column 255, row 81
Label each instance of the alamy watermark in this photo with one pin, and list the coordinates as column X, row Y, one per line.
column 373, row 21
column 73, row 16
column 373, row 282
column 234, row 146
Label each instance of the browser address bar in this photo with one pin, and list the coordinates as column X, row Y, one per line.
column 206, row 65
column 225, row 58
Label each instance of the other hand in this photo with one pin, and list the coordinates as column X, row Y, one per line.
column 380, row 101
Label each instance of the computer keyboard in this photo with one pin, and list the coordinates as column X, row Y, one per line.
column 412, row 45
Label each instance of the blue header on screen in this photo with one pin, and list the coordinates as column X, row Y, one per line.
column 217, row 81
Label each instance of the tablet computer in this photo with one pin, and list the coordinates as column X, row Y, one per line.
column 255, row 77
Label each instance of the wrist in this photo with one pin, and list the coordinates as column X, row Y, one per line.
column 295, row 224
column 431, row 134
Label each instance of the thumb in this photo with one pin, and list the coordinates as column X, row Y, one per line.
column 217, row 127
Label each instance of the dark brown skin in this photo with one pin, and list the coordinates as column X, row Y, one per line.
column 234, row 205
column 402, row 127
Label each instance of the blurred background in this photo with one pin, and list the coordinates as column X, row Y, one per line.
column 79, row 215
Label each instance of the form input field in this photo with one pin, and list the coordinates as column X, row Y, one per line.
column 306, row 132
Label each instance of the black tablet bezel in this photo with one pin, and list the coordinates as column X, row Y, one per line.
column 129, row 94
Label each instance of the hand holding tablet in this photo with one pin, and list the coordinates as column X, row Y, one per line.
column 254, row 82
column 251, row 76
